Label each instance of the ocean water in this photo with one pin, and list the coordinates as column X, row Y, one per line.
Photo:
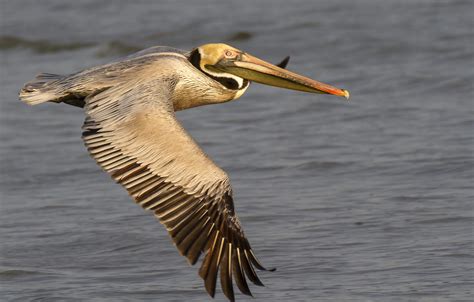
column 367, row 200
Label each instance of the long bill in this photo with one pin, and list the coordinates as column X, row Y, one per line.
column 254, row 69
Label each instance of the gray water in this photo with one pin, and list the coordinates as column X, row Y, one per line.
column 367, row 200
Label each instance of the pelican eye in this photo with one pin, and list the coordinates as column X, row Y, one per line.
column 230, row 54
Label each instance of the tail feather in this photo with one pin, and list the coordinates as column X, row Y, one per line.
column 48, row 76
column 42, row 89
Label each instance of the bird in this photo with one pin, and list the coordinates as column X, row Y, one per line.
column 131, row 130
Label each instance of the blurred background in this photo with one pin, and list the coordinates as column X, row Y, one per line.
column 367, row 200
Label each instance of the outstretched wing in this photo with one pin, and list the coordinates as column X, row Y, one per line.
column 132, row 133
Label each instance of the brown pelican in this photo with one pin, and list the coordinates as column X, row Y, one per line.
column 132, row 132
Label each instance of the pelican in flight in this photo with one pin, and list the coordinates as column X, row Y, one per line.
column 132, row 132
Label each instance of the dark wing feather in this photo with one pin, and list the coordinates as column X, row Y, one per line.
column 137, row 140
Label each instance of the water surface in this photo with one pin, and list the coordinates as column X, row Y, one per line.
column 369, row 200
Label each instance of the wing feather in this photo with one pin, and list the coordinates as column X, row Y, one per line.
column 137, row 140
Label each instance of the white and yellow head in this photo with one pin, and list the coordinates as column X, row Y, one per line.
column 232, row 70
column 222, row 60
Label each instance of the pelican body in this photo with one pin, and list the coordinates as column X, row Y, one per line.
column 131, row 131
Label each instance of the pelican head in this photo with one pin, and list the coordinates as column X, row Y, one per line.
column 234, row 69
